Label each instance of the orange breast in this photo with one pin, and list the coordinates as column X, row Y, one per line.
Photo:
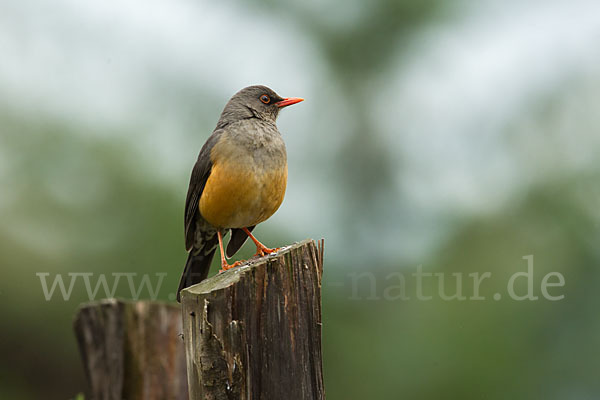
column 238, row 195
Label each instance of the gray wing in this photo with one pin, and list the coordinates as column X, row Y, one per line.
column 200, row 175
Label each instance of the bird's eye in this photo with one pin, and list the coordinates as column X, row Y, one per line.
column 265, row 99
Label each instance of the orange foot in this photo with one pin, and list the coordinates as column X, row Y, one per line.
column 225, row 266
column 262, row 250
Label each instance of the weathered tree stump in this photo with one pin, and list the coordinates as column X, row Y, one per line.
column 254, row 332
column 132, row 350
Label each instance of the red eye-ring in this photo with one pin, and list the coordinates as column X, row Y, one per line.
column 265, row 99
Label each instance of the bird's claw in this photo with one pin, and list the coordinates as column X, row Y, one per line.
column 225, row 266
column 263, row 251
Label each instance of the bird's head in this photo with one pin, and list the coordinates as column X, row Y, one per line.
column 255, row 102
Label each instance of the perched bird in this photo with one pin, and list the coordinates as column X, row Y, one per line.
column 238, row 181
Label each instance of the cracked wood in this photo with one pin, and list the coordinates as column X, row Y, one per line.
column 254, row 332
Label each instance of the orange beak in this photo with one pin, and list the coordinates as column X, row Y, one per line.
column 288, row 101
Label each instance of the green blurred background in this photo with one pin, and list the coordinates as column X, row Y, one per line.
column 459, row 136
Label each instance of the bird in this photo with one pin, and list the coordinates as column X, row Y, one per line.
column 238, row 181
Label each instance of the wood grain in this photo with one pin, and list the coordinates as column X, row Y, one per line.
column 132, row 350
column 254, row 332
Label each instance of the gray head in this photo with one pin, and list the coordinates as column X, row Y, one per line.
column 255, row 102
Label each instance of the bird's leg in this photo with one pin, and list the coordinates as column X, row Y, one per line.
column 261, row 249
column 224, row 265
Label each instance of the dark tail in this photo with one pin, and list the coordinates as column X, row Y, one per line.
column 238, row 238
column 196, row 269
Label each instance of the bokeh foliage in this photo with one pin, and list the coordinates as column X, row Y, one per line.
column 75, row 201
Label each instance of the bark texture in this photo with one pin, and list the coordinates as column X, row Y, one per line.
column 132, row 350
column 254, row 332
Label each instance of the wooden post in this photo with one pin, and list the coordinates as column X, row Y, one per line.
column 132, row 350
column 254, row 332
